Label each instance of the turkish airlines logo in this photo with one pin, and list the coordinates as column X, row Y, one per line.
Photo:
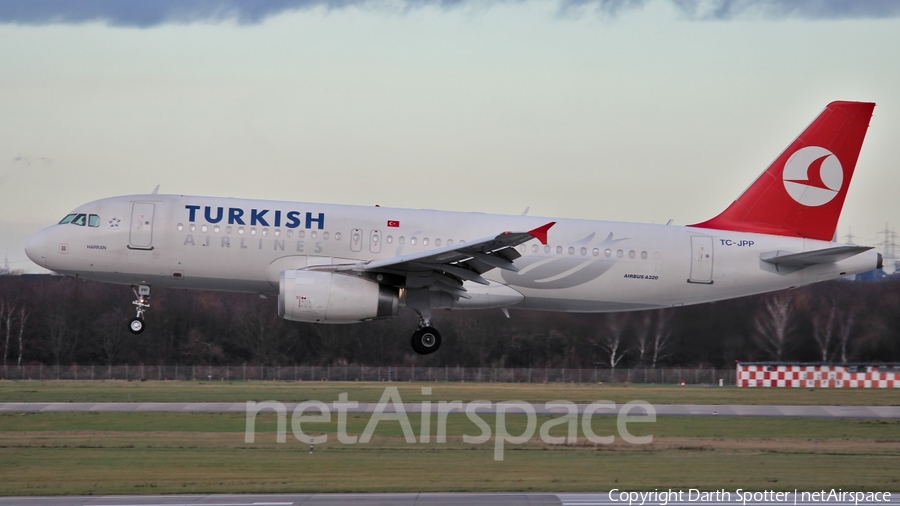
column 813, row 176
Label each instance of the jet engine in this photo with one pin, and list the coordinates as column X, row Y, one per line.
column 325, row 297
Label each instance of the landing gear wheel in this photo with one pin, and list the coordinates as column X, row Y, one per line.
column 136, row 325
column 426, row 340
column 142, row 303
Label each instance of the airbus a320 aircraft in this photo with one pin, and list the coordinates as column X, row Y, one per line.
column 345, row 264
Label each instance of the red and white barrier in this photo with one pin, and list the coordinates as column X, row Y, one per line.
column 817, row 376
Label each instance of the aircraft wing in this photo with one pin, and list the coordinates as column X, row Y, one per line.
column 446, row 268
column 821, row 256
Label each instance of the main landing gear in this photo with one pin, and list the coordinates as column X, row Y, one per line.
column 142, row 293
column 426, row 339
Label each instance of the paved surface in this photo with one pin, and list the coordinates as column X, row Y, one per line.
column 366, row 407
column 499, row 499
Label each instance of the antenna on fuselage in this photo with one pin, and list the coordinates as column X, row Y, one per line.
column 525, row 212
column 155, row 190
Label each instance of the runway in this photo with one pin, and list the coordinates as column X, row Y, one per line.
column 412, row 499
column 890, row 412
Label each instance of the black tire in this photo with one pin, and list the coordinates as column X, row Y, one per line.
column 426, row 340
column 136, row 325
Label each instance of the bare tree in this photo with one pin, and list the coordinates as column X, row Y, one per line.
column 201, row 349
column 823, row 331
column 661, row 335
column 261, row 331
column 611, row 340
column 846, row 321
column 6, row 318
column 23, row 317
column 774, row 324
column 642, row 335
column 57, row 333
column 111, row 332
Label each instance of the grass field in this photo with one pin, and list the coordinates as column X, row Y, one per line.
column 241, row 391
column 134, row 453
column 142, row 453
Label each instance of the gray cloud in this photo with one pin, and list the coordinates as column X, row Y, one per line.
column 779, row 9
column 27, row 161
column 150, row 13
column 22, row 163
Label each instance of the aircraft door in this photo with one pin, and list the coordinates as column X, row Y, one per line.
column 375, row 242
column 141, row 236
column 701, row 260
column 356, row 240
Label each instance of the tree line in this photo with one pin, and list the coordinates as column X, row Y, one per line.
column 62, row 320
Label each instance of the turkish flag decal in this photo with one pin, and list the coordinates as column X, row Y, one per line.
column 393, row 223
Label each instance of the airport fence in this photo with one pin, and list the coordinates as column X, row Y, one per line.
column 688, row 376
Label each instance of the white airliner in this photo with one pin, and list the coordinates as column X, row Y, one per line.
column 344, row 264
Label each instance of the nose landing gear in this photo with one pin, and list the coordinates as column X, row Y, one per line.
column 142, row 292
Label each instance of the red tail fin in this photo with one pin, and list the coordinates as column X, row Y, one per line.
column 801, row 194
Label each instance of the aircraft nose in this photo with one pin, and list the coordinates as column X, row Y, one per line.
column 36, row 248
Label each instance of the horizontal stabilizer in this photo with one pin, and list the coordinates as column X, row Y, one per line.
column 821, row 256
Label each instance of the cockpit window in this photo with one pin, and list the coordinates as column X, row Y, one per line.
column 67, row 219
column 93, row 220
column 80, row 220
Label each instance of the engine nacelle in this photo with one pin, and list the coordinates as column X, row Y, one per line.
column 325, row 297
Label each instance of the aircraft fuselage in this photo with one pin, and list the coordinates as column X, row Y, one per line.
column 241, row 245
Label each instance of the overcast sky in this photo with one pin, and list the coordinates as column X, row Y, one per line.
column 623, row 110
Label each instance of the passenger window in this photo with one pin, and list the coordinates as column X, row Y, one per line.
column 67, row 219
column 80, row 220
column 93, row 221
